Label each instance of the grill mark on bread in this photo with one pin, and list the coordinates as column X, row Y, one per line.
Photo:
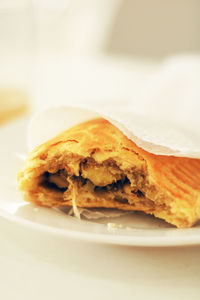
column 146, row 172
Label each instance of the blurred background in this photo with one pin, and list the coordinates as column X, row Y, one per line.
column 128, row 54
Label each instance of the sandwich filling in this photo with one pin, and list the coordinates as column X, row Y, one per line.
column 95, row 165
column 100, row 181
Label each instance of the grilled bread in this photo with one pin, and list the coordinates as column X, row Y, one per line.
column 95, row 165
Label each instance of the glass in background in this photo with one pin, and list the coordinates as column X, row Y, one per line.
column 16, row 56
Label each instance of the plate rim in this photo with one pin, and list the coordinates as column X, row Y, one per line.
column 109, row 239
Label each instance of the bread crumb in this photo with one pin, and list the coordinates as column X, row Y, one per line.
column 112, row 227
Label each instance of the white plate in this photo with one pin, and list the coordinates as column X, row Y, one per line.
column 135, row 229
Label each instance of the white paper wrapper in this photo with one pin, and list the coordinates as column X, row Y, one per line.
column 96, row 213
column 167, row 121
column 152, row 134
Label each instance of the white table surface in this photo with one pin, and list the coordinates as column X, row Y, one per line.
column 35, row 265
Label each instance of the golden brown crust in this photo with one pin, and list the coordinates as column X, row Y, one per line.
column 171, row 185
